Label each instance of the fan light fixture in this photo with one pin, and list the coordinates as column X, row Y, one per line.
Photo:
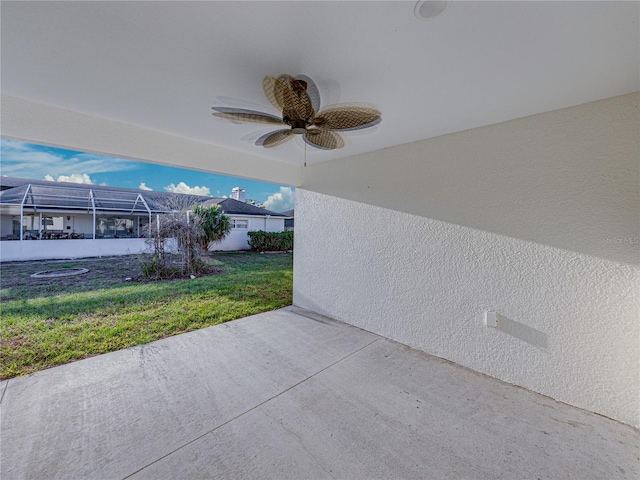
column 429, row 9
column 298, row 101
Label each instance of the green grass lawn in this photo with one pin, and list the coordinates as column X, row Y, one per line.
column 43, row 326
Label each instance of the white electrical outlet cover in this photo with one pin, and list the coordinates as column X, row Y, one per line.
column 491, row 319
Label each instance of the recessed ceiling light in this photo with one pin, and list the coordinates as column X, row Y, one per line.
column 429, row 9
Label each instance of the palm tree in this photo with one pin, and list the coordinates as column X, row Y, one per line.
column 214, row 225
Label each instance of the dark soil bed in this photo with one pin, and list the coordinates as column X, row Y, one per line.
column 104, row 269
column 104, row 272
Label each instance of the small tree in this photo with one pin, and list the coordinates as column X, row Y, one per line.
column 193, row 233
column 164, row 261
column 215, row 225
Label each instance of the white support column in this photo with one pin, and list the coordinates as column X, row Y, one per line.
column 24, row 199
column 93, row 207
column 146, row 205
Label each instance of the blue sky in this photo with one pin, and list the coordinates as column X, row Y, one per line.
column 27, row 160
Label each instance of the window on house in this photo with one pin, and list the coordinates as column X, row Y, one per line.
column 115, row 227
column 240, row 224
column 52, row 223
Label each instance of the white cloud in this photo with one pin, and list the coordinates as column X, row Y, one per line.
column 281, row 201
column 29, row 161
column 184, row 188
column 73, row 178
column 143, row 186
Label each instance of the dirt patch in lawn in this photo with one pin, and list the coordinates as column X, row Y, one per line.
column 16, row 274
column 104, row 272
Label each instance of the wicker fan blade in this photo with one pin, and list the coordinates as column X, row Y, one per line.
column 312, row 92
column 347, row 116
column 283, row 95
column 269, row 87
column 366, row 125
column 242, row 115
column 292, row 94
column 324, row 139
column 301, row 101
column 273, row 139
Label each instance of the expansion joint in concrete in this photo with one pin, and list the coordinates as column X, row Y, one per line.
column 4, row 390
column 253, row 408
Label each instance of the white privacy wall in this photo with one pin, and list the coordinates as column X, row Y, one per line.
column 385, row 241
column 17, row 250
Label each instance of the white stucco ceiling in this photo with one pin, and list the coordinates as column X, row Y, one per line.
column 162, row 65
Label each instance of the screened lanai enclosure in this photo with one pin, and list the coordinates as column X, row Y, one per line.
column 41, row 219
column 54, row 212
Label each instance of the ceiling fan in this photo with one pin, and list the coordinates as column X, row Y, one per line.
column 298, row 100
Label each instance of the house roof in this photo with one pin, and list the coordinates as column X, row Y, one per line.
column 10, row 182
column 63, row 196
column 161, row 66
column 231, row 206
column 74, row 195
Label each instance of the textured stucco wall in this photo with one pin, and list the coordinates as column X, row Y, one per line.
column 567, row 178
column 411, row 245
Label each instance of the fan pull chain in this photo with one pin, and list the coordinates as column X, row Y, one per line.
column 305, row 154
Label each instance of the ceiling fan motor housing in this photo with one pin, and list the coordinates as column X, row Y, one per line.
column 298, row 126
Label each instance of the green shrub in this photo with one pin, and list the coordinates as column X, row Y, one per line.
column 262, row 241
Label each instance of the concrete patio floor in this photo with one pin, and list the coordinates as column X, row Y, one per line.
column 290, row 394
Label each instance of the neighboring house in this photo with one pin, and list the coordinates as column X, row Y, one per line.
column 289, row 222
column 62, row 217
column 245, row 218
